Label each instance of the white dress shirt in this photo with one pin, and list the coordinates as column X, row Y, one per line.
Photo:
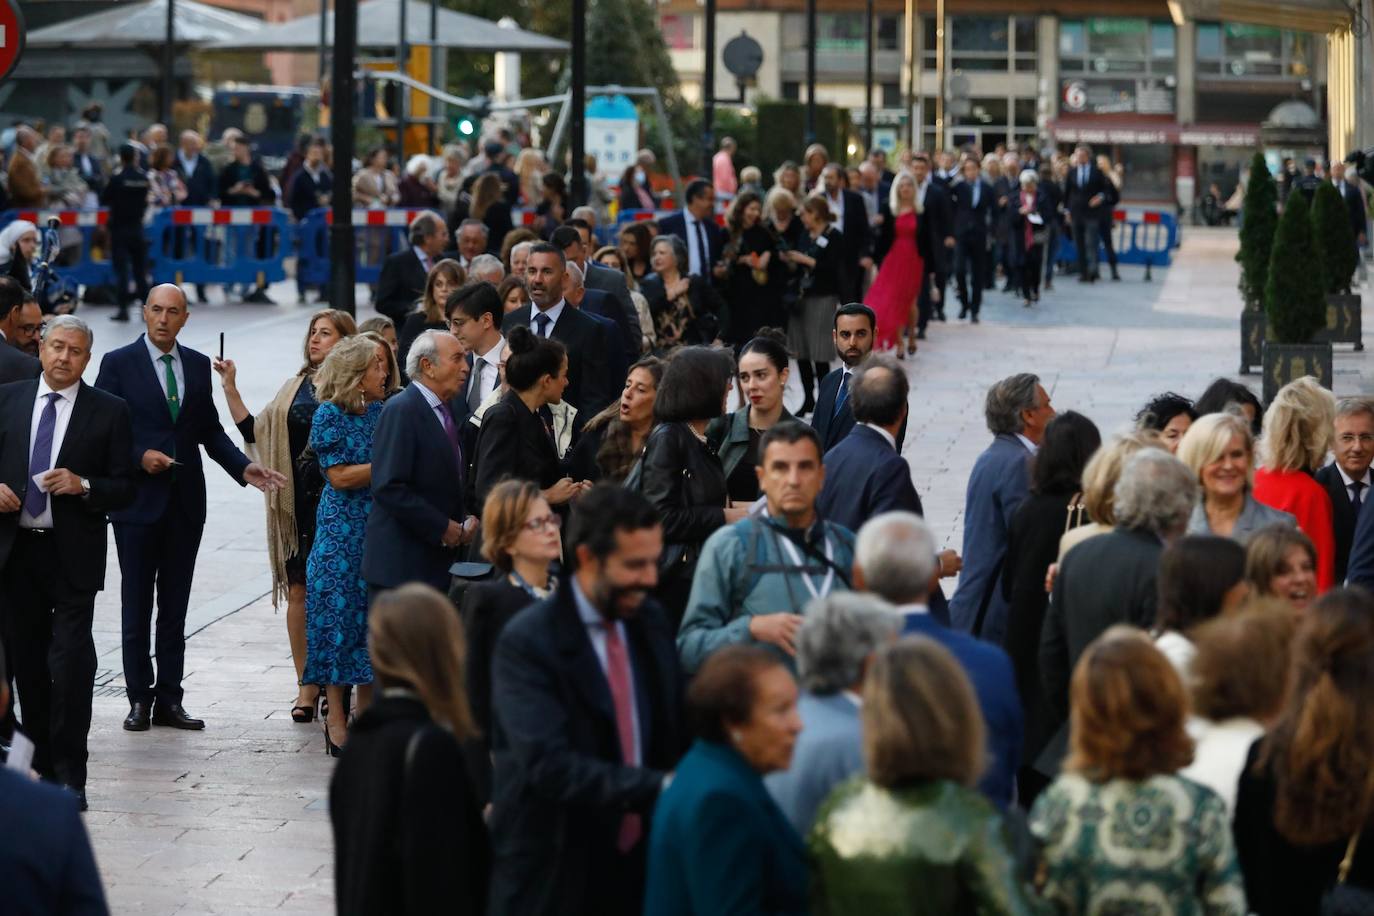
column 160, row 368
column 1349, row 481
column 188, row 166
column 63, row 406
column 1030, row 446
column 596, row 631
column 425, row 261
column 554, row 312
column 491, row 360
column 698, row 261
column 837, row 210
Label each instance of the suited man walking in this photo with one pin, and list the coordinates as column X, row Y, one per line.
column 65, row 460
column 588, row 722
column 419, row 472
column 167, row 388
column 1354, row 203
column 15, row 364
column 590, row 384
column 1086, row 188
column 851, row 218
column 938, row 225
column 854, row 331
column 974, row 207
column 695, row 224
column 1347, row 479
column 198, row 175
column 402, row 281
column 599, row 278
column 1018, row 410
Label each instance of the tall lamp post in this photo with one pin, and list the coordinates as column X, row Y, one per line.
column 168, row 63
column 868, row 78
column 577, row 100
column 341, row 247
column 708, row 90
column 810, row 72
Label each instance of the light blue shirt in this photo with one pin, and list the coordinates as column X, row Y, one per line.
column 596, row 631
column 554, row 311
column 160, row 368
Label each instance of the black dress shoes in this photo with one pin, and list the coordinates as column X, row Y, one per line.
column 137, row 720
column 171, row 714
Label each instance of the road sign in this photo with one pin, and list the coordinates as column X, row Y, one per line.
column 12, row 36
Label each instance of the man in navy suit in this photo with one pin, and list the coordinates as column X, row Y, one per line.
column 309, row 188
column 46, row 862
column 1017, row 410
column 596, row 303
column 1086, row 189
column 938, row 226
column 1354, row 203
column 851, row 218
column 894, row 557
column 974, row 205
column 866, row 474
column 696, row 225
column 419, row 517
column 404, row 273
column 598, row 278
column 588, row 722
column 1348, row 478
column 853, row 330
column 167, row 388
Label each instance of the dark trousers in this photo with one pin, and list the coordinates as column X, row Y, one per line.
column 1104, row 230
column 48, row 640
column 159, row 557
column 129, row 253
column 1029, row 272
column 1053, row 250
column 1085, row 233
column 970, row 269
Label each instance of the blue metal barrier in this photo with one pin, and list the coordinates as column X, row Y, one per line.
column 236, row 245
column 1144, row 237
column 87, row 262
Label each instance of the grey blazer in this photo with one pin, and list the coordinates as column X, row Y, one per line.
column 1253, row 516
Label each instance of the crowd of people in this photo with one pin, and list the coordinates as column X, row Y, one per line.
column 594, row 624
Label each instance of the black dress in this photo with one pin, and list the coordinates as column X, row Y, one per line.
column 698, row 317
column 514, row 443
column 408, row 836
column 754, row 305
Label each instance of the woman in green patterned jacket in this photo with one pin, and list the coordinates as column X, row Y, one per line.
column 1120, row 831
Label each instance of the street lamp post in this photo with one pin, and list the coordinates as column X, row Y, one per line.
column 810, row 72
column 577, row 100
column 168, row 63
column 341, row 246
column 868, row 78
column 708, row 89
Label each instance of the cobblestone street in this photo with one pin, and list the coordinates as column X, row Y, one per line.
column 234, row 819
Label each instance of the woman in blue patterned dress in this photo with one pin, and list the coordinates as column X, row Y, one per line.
column 350, row 386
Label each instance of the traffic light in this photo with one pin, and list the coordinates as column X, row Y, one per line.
column 469, row 123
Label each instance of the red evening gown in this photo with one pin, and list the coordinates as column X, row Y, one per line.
column 893, row 293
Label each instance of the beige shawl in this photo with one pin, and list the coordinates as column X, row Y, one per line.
column 273, row 449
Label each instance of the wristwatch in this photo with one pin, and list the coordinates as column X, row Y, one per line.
column 85, row 487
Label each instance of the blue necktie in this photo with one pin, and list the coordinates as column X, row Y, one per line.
column 975, row 193
column 35, row 500
column 842, row 396
column 543, row 321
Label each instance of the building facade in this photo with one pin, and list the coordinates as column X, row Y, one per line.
column 1181, row 106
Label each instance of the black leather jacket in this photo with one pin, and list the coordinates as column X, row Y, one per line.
column 684, row 480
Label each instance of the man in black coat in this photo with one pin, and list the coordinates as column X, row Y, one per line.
column 15, row 364
column 402, row 281
column 1353, row 196
column 1347, row 479
column 66, row 459
column 936, row 226
column 605, row 279
column 1086, row 189
column 854, row 328
column 851, row 218
column 696, row 225
column 198, row 174
column 974, row 205
column 604, row 309
column 588, row 722
column 244, row 182
column 126, row 196
column 590, row 382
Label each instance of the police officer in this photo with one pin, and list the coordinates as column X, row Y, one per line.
column 126, row 196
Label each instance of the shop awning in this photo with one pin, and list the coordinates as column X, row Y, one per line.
column 1126, row 133
column 139, row 24
column 1303, row 15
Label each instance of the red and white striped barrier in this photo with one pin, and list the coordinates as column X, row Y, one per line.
column 66, row 217
column 222, row 216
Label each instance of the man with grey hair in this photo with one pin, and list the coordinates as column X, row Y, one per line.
column 53, row 540
column 586, row 214
column 838, row 636
column 405, row 273
column 894, row 557
column 1347, row 478
column 1111, row 579
column 519, row 258
column 487, row 267
column 1017, row 410
column 472, row 241
column 593, row 303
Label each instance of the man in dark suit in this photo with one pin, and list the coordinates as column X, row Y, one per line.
column 588, row 722
column 851, row 218
column 244, row 182
column 1347, row 479
column 937, row 225
column 309, row 188
column 198, row 174
column 419, row 472
column 474, row 316
column 605, row 279
column 46, row 862
column 696, row 225
column 590, row 383
column 894, row 557
column 973, row 204
column 404, row 273
column 597, row 304
column 854, row 327
column 167, row 388
column 1086, row 189
column 90, row 166
column 15, row 364
column 1354, row 203
column 65, row 460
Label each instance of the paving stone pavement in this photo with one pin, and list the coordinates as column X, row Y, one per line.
column 234, row 819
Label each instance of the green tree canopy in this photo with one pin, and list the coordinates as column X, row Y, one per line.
column 1259, row 219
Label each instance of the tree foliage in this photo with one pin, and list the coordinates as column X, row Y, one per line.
column 1295, row 293
column 1331, row 228
column 1260, row 217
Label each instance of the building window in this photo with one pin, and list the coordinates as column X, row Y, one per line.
column 998, row 44
column 1117, row 45
column 791, row 90
column 840, row 32
column 889, row 33
column 1235, row 50
column 679, row 31
column 892, row 95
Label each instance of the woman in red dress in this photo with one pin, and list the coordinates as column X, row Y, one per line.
column 894, row 294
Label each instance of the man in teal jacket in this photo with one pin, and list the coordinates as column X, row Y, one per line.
column 755, row 577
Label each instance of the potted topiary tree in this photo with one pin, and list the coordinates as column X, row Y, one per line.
column 1340, row 257
column 1295, row 303
column 1259, row 217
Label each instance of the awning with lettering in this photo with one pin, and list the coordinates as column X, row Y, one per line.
column 1091, row 130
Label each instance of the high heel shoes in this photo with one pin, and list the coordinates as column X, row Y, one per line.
column 330, row 748
column 304, row 715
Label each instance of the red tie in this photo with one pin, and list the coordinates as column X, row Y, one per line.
column 618, row 676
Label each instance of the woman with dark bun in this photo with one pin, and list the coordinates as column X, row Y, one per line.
column 514, row 440
column 761, row 372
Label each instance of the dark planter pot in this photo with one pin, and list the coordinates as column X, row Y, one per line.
column 1252, row 329
column 1285, row 362
column 1344, row 322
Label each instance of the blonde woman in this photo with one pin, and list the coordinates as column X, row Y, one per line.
column 350, row 385
column 1298, row 427
column 1219, row 449
column 903, row 252
column 278, row 438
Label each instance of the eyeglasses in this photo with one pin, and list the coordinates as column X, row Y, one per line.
column 544, row 521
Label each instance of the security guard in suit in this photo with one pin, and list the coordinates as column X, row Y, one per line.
column 126, row 196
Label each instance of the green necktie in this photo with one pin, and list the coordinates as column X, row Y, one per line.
column 173, row 400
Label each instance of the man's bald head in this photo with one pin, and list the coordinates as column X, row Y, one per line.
column 163, row 290
column 164, row 314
